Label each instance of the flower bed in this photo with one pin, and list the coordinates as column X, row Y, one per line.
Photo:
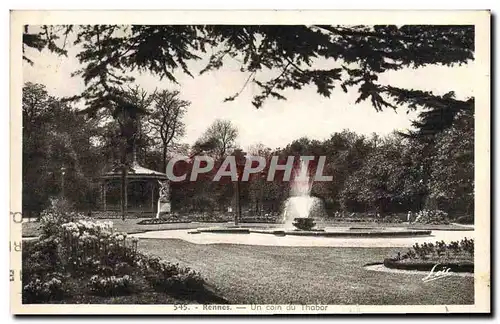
column 260, row 219
column 428, row 265
column 207, row 218
column 188, row 218
column 354, row 220
column 157, row 221
column 458, row 256
column 112, row 214
column 101, row 262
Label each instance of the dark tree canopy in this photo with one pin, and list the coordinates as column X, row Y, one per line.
column 438, row 114
column 391, row 174
column 355, row 55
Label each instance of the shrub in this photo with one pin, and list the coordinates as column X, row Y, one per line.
column 110, row 286
column 441, row 248
column 389, row 219
column 435, row 217
column 42, row 290
column 411, row 254
column 58, row 213
column 467, row 245
column 454, row 247
column 39, row 258
column 172, row 278
column 184, row 283
column 465, row 219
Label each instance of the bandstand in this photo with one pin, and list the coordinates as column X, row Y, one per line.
column 142, row 189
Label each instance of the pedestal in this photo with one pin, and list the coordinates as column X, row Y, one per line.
column 163, row 208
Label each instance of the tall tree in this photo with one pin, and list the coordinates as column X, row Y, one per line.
column 451, row 185
column 165, row 119
column 437, row 116
column 219, row 138
column 126, row 107
column 379, row 180
column 259, row 189
column 55, row 139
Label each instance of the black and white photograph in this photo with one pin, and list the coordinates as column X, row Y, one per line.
column 286, row 163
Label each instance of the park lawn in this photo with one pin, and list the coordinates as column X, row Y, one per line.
column 308, row 275
column 32, row 229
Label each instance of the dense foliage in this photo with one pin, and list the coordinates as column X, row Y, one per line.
column 392, row 174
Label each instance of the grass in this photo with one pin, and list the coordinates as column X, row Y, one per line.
column 304, row 275
column 31, row 229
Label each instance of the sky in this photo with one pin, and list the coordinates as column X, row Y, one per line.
column 277, row 123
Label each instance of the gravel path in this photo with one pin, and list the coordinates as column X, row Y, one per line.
column 290, row 240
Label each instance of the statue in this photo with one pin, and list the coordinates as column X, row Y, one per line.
column 164, row 199
column 164, row 189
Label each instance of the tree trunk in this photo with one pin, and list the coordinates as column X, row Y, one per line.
column 237, row 213
column 124, row 193
column 164, row 158
column 123, row 184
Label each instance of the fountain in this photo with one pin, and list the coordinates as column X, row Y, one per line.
column 304, row 223
column 301, row 206
column 299, row 215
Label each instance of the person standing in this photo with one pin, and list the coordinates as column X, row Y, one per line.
column 409, row 217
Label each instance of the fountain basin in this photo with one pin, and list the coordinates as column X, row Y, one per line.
column 304, row 223
column 222, row 230
column 330, row 232
column 361, row 234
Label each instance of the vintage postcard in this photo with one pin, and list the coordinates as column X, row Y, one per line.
column 250, row 162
